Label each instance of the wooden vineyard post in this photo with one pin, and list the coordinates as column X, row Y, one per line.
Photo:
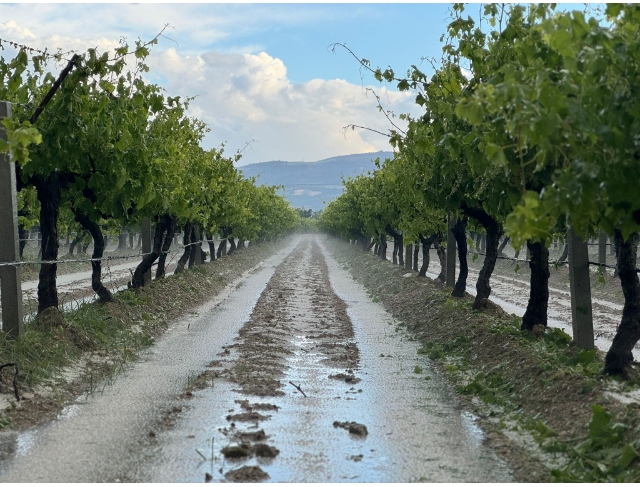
column 10, row 276
column 146, row 244
column 602, row 251
column 451, row 252
column 580, row 284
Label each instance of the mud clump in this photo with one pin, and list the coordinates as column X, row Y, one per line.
column 247, row 436
column 51, row 317
column 238, row 451
column 266, row 451
column 246, row 474
column 348, row 378
column 259, row 406
column 247, row 417
column 353, row 427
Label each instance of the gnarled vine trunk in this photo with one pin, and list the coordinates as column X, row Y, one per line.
column 565, row 254
column 442, row 257
column 122, row 241
column 459, row 232
column 163, row 224
column 620, row 356
column 487, row 244
column 426, row 245
column 383, row 246
column 186, row 240
column 503, row 245
column 222, row 248
column 195, row 247
column 74, row 242
column 166, row 245
column 483, row 286
column 397, row 243
column 49, row 191
column 395, row 251
column 98, row 251
column 23, row 235
column 536, row 313
column 212, row 247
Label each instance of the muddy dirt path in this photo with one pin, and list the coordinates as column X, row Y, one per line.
column 299, row 377
column 368, row 407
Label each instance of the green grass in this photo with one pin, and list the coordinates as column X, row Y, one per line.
column 41, row 354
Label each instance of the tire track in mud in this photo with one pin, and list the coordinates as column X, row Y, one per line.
column 297, row 315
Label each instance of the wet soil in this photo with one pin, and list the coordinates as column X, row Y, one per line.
column 510, row 291
column 560, row 398
column 151, row 312
column 297, row 304
column 307, row 396
column 298, row 289
column 296, row 348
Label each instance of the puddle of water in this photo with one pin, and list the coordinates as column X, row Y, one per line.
column 25, row 443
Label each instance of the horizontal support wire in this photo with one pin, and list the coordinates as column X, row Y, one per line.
column 553, row 262
column 110, row 258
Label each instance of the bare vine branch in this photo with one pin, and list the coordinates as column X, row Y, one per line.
column 353, row 126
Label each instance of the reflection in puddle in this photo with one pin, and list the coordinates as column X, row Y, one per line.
column 25, row 443
column 69, row 412
column 469, row 422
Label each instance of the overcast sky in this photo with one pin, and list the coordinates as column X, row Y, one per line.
column 260, row 72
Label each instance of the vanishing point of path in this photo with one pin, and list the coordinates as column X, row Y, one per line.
column 292, row 347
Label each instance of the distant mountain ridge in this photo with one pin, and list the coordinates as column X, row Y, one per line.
column 313, row 184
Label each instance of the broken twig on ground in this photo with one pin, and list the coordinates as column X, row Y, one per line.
column 298, row 387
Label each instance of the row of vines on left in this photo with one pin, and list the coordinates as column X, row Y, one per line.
column 99, row 142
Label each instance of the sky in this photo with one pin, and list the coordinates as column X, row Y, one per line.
column 264, row 76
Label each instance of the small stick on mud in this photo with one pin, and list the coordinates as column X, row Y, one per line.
column 199, row 453
column 298, row 387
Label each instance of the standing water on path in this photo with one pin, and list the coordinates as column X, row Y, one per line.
column 315, row 351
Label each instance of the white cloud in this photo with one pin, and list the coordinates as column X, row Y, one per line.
column 247, row 97
column 12, row 31
column 466, row 73
column 243, row 93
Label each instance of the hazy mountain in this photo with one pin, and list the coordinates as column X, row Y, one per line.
column 313, row 184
